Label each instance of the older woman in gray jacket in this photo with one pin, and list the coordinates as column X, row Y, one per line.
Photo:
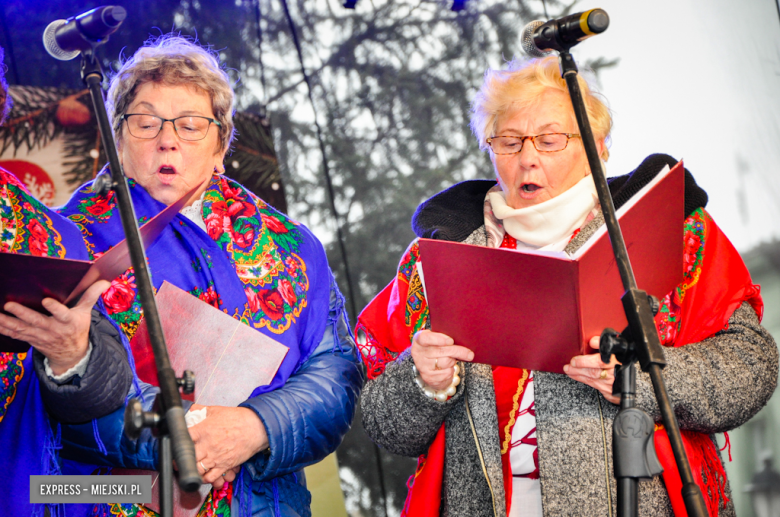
column 497, row 441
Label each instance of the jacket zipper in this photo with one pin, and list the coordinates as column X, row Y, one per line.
column 479, row 452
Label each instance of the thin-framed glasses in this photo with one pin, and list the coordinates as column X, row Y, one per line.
column 190, row 127
column 546, row 143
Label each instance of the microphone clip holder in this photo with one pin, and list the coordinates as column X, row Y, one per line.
column 136, row 419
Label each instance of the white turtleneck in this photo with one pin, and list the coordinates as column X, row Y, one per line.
column 549, row 224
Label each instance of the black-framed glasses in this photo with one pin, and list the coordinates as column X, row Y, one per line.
column 190, row 127
column 546, row 143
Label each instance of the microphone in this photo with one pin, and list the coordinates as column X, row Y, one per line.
column 65, row 39
column 539, row 38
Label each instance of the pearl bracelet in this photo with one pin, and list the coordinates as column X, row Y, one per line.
column 440, row 395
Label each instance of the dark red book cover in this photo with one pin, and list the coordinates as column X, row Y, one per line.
column 28, row 279
column 229, row 359
column 537, row 310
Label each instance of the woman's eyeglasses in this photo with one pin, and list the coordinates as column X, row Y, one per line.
column 190, row 128
column 547, row 143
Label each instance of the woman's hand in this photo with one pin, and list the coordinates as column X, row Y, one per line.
column 227, row 477
column 62, row 337
column 588, row 369
column 228, row 437
column 434, row 355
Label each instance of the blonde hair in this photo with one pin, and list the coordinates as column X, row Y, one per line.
column 520, row 86
column 173, row 60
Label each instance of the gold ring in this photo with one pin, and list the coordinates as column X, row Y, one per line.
column 603, row 375
column 436, row 364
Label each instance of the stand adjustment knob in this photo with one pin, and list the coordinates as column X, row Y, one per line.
column 654, row 303
column 136, row 419
column 187, row 382
column 103, row 184
column 612, row 342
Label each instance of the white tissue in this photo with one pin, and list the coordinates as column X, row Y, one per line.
column 195, row 417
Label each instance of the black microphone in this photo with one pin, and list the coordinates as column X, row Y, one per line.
column 65, row 39
column 539, row 38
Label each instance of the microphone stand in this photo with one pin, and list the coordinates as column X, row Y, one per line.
column 175, row 441
column 632, row 435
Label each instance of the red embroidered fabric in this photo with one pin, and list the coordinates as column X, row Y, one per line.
column 510, row 385
column 716, row 283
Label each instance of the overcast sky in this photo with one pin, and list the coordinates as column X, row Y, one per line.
column 699, row 81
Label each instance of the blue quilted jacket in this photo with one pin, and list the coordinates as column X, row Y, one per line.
column 306, row 420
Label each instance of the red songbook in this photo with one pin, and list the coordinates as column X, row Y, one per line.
column 27, row 279
column 538, row 309
column 229, row 358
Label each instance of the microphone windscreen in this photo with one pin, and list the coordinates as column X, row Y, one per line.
column 527, row 40
column 114, row 15
column 51, row 45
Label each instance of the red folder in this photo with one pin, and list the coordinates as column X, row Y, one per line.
column 229, row 359
column 27, row 279
column 536, row 309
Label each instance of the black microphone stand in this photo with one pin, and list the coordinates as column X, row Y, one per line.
column 634, row 455
column 175, row 441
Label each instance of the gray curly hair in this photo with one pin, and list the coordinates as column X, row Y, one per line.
column 173, row 60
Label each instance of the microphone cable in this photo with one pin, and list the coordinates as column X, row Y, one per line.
column 325, row 166
column 259, row 17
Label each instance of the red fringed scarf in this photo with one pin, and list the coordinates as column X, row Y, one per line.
column 715, row 284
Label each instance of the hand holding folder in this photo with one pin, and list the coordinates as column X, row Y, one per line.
column 537, row 310
column 28, row 279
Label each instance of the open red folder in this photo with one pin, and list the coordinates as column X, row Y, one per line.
column 27, row 279
column 229, row 359
column 538, row 309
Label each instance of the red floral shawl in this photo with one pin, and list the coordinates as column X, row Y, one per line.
column 716, row 282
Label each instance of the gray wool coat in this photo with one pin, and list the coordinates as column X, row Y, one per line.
column 715, row 386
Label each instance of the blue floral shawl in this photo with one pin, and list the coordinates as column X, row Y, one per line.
column 253, row 263
column 28, row 444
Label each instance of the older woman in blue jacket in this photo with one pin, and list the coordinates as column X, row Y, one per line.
column 171, row 107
